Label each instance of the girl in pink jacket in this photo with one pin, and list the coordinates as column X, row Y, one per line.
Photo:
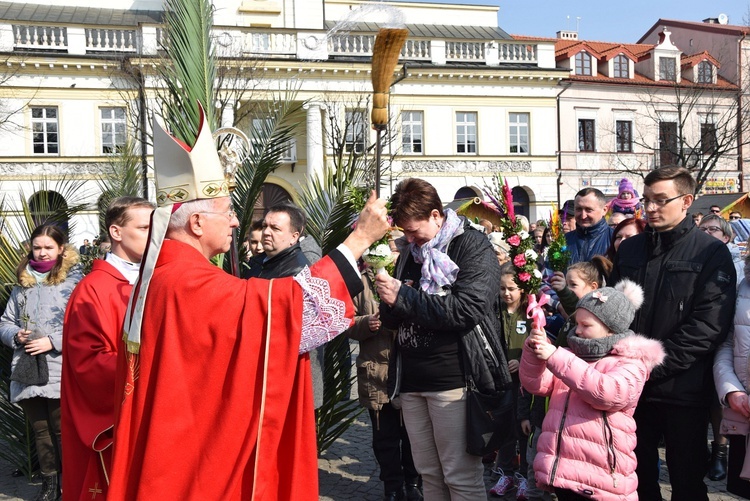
column 586, row 447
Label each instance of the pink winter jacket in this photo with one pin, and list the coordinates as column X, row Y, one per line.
column 588, row 434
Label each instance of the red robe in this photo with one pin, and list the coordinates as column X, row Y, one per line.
column 91, row 334
column 190, row 416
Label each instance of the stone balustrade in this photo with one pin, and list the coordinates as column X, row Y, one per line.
column 275, row 43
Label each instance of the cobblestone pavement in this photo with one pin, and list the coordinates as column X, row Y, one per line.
column 347, row 472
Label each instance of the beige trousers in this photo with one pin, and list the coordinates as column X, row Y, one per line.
column 436, row 423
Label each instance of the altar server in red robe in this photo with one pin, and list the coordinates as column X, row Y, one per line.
column 92, row 333
column 216, row 398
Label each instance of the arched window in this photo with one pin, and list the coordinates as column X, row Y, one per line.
column 272, row 194
column 705, row 73
column 49, row 207
column 520, row 201
column 583, row 64
column 621, row 67
column 465, row 192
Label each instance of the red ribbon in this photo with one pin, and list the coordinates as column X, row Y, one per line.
column 535, row 312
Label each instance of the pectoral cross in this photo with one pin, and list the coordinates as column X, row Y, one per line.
column 95, row 490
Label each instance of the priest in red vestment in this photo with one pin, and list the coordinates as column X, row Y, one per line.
column 92, row 332
column 216, row 396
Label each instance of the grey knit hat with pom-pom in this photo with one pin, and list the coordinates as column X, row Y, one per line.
column 614, row 306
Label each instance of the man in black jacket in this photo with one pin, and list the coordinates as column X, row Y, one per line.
column 688, row 279
column 282, row 257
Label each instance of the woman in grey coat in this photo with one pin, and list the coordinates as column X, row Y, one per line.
column 32, row 325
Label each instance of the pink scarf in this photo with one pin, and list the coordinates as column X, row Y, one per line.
column 42, row 266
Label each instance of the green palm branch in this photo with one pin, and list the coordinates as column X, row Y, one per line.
column 190, row 70
column 269, row 139
column 330, row 201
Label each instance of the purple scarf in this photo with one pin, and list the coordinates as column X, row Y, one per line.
column 437, row 268
column 42, row 266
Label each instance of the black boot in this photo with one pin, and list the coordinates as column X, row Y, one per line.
column 717, row 468
column 395, row 495
column 50, row 489
column 413, row 493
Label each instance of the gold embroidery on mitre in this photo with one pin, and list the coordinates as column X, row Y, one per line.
column 176, row 195
column 213, row 190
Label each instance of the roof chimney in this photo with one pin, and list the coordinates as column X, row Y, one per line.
column 567, row 35
column 711, row 20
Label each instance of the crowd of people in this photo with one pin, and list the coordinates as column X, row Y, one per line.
column 157, row 349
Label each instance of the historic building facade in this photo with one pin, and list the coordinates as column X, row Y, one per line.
column 468, row 100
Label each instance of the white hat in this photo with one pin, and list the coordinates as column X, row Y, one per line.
column 185, row 173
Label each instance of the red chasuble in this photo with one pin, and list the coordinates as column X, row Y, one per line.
column 91, row 334
column 195, row 420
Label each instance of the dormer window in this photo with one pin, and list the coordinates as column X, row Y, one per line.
column 705, row 73
column 583, row 64
column 668, row 69
column 620, row 66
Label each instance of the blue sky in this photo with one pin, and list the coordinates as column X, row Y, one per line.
column 603, row 20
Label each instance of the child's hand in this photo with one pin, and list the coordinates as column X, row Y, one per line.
column 540, row 345
column 513, row 366
column 536, row 337
column 557, row 281
column 526, row 426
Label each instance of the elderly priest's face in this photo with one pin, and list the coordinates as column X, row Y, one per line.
column 220, row 222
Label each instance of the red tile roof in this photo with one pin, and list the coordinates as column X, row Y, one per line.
column 639, row 79
column 604, row 51
column 565, row 49
column 689, row 61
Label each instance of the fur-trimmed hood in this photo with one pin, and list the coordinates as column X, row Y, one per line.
column 649, row 351
column 70, row 258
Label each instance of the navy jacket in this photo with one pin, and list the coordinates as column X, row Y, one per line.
column 585, row 243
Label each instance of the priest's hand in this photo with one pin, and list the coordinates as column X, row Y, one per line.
column 39, row 346
column 371, row 226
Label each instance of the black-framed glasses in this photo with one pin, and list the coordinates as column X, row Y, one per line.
column 715, row 211
column 734, row 218
column 710, row 229
column 659, row 202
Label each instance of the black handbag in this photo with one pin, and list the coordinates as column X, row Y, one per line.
column 31, row 370
column 489, row 419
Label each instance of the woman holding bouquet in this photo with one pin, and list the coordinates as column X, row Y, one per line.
column 446, row 283
column 32, row 326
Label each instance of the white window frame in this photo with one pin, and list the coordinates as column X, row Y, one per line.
column 355, row 138
column 110, row 120
column 45, row 123
column 466, row 129
column 616, row 66
column 617, row 136
column 412, row 132
column 663, row 71
column 704, row 73
column 518, row 133
column 584, row 57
